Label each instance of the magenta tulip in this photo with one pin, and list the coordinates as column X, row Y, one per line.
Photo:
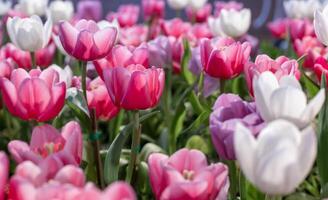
column 47, row 141
column 135, row 87
column 200, row 15
column 175, row 27
column 86, row 41
column 4, row 172
column 153, row 9
column 223, row 57
column 279, row 28
column 6, row 67
column 187, row 175
column 21, row 58
column 35, row 95
column 126, row 15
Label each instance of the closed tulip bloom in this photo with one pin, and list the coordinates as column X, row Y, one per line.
column 6, row 67
column 284, row 99
column 321, row 68
column 160, row 52
column 44, row 57
column 5, row 6
column 61, row 10
column 123, row 56
column 178, row 4
column 281, row 66
column 135, row 87
column 230, row 5
column 133, row 36
column 86, row 41
column 126, row 15
column 223, row 57
column 187, row 175
column 320, row 23
column 29, row 34
column 175, row 27
column 301, row 9
column 199, row 15
column 32, row 7
column 33, row 96
column 21, row 58
column 89, row 10
column 4, row 172
column 279, row 28
column 65, row 74
column 235, row 23
column 153, row 9
column 228, row 111
column 299, row 28
column 280, row 159
column 66, row 146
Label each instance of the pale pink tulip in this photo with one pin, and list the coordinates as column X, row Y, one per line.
column 175, row 27
column 134, row 35
column 6, row 67
column 127, row 15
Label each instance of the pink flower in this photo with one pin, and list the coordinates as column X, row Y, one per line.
column 135, row 87
column 127, row 15
column 280, row 67
column 66, row 146
column 13, row 13
column 44, row 57
column 153, row 9
column 134, row 35
column 299, row 28
column 86, row 41
column 198, row 32
column 89, row 10
column 33, row 96
column 186, row 175
column 99, row 99
column 200, row 15
column 175, row 27
column 4, row 172
column 223, row 57
column 231, row 5
column 6, row 67
column 21, row 58
column 123, row 56
column 279, row 28
column 321, row 68
column 177, row 53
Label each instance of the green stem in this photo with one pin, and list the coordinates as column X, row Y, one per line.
column 242, row 186
column 201, row 84
column 84, row 80
column 233, row 179
column 222, row 86
column 135, row 146
column 269, row 197
column 33, row 60
column 167, row 108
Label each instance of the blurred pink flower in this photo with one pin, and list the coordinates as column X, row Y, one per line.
column 134, row 35
column 127, row 15
column 231, row 5
column 153, row 9
column 89, row 10
column 175, row 27
column 200, row 15
column 4, row 172
column 279, row 28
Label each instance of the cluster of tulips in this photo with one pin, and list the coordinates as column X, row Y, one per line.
column 190, row 108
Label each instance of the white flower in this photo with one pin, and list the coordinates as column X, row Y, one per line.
column 301, row 8
column 197, row 4
column 65, row 75
column 285, row 99
column 279, row 159
column 29, row 34
column 178, row 4
column 32, row 7
column 321, row 25
column 5, row 6
column 231, row 23
column 61, row 10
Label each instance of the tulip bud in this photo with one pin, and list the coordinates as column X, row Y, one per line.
column 301, row 8
column 321, row 25
column 61, row 10
column 178, row 4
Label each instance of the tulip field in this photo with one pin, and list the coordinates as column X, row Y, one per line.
column 132, row 103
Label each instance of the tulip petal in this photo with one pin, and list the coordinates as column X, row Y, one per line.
column 313, row 108
column 83, row 47
column 72, row 133
column 50, row 76
column 68, row 36
column 9, row 95
column 155, row 162
column 185, row 159
column 47, row 30
column 71, row 175
column 44, row 134
column 18, row 76
column 321, row 27
column 104, row 41
column 290, row 81
column 17, row 149
column 118, row 191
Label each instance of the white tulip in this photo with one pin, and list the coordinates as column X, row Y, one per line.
column 285, row 99
column 197, row 4
column 321, row 25
column 215, row 27
column 29, row 34
column 301, row 8
column 61, row 10
column 235, row 23
column 5, row 6
column 65, row 75
column 178, row 4
column 279, row 159
column 32, row 7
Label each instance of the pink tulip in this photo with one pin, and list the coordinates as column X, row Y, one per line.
column 153, row 9
column 321, row 68
column 35, row 95
column 175, row 27
column 279, row 28
column 187, row 175
column 6, row 67
column 177, row 53
column 231, row 5
column 4, row 172
column 44, row 57
column 199, row 16
column 98, row 99
column 123, row 56
column 126, row 15
column 133, row 36
column 160, row 52
column 135, row 87
column 86, row 41
column 89, row 10
column 280, row 67
column 13, row 13
column 66, row 146
column 299, row 28
column 223, row 57
column 198, row 32
column 21, row 58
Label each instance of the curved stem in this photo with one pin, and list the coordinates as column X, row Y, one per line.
column 84, row 80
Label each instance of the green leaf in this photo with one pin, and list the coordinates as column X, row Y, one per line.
column 195, row 103
column 310, row 86
column 148, row 149
column 186, row 73
column 197, row 142
column 300, row 196
column 112, row 161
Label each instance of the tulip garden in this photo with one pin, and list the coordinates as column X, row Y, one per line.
column 131, row 104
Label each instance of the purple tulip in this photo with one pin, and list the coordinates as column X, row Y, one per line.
column 89, row 10
column 160, row 52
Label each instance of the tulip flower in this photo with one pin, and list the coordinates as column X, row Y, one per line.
column 4, row 172
column 44, row 57
column 134, row 87
column 5, row 6
column 160, row 52
column 186, row 175
column 228, row 111
column 321, row 25
column 301, row 9
column 6, row 67
column 223, row 5
column 65, row 75
column 279, row 28
column 199, row 15
column 299, row 29
column 153, row 9
column 284, row 99
column 29, row 34
column 126, row 15
column 33, row 96
column 89, row 10
column 198, row 32
column 223, row 58
column 133, row 36
column 61, row 10
column 321, row 68
column 86, row 41
column 21, row 58
column 32, row 7
column 281, row 66
column 178, row 4
column 279, row 159
column 47, row 141
column 122, row 56
column 175, row 27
